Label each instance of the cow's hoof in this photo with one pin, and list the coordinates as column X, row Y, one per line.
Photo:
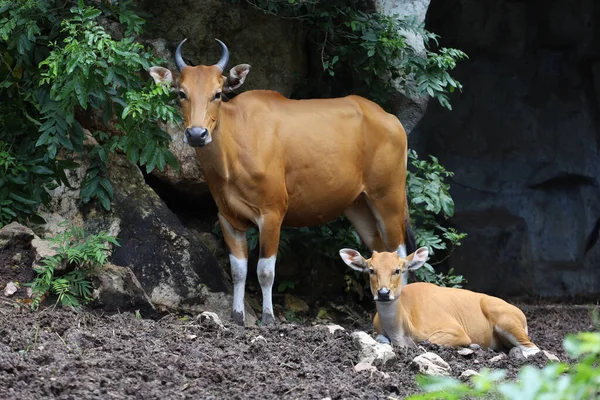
column 268, row 318
column 238, row 318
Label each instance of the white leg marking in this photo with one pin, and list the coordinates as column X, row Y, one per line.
column 239, row 270
column 527, row 351
column 266, row 277
column 402, row 251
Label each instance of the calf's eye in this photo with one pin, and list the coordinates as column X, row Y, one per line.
column 371, row 271
column 217, row 95
column 397, row 271
column 182, row 94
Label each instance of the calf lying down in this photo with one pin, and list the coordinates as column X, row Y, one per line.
column 408, row 314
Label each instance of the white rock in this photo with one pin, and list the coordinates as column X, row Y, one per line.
column 333, row 328
column 364, row 366
column 465, row 352
column 431, row 364
column 550, row 356
column 468, row 374
column 369, row 351
column 497, row 358
column 259, row 337
column 212, row 317
column 10, row 289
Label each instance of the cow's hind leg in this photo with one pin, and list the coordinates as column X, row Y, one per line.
column 238, row 258
column 451, row 336
column 509, row 324
column 270, row 229
column 362, row 219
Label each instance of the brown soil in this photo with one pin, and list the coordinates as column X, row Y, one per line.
column 57, row 353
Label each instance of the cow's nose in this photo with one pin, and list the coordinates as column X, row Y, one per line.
column 196, row 132
column 383, row 293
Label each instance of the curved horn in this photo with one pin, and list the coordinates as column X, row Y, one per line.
column 222, row 64
column 178, row 58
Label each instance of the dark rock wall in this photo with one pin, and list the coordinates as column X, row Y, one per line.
column 523, row 141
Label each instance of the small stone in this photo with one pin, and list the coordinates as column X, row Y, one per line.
column 364, row 366
column 369, row 351
column 465, row 352
column 10, row 289
column 516, row 354
column 550, row 356
column 474, row 346
column 497, row 358
column 191, row 337
column 333, row 328
column 213, row 318
column 468, row 374
column 259, row 337
column 431, row 364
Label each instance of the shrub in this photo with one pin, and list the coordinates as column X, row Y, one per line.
column 59, row 63
column 372, row 48
column 80, row 253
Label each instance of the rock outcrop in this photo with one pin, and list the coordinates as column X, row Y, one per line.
column 170, row 262
column 523, row 141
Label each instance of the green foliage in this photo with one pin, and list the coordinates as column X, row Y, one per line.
column 373, row 48
column 79, row 253
column 557, row 381
column 59, row 65
column 430, row 201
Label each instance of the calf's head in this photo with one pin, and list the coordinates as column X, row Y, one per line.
column 385, row 270
column 200, row 92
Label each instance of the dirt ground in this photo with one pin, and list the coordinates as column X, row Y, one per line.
column 58, row 353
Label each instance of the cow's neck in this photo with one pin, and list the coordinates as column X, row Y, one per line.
column 218, row 158
column 392, row 322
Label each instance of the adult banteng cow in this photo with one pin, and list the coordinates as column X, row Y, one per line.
column 271, row 161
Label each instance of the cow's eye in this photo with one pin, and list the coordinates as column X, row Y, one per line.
column 217, row 95
column 371, row 271
column 182, row 95
column 397, row 271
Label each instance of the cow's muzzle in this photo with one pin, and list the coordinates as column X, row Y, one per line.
column 196, row 136
column 383, row 295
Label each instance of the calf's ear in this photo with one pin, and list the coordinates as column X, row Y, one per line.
column 354, row 260
column 417, row 259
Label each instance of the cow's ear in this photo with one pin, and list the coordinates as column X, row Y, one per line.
column 236, row 78
column 161, row 75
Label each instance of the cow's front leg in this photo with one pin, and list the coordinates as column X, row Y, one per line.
column 270, row 228
column 238, row 258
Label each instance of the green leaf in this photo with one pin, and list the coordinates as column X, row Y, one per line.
column 23, row 200
column 41, row 170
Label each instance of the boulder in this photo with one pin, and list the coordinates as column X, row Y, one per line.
column 273, row 46
column 408, row 108
column 169, row 261
column 523, row 143
column 16, row 257
column 117, row 288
